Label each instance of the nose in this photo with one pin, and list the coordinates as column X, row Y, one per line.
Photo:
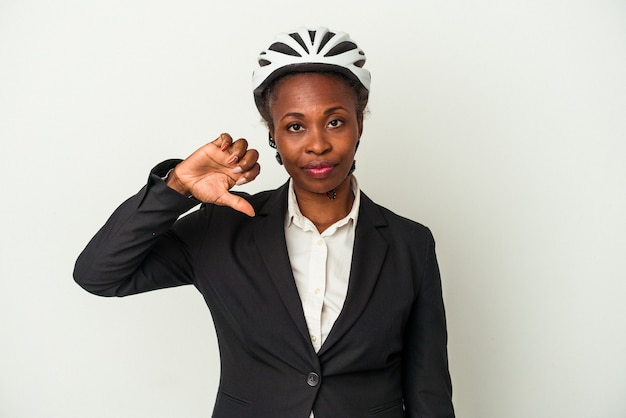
column 317, row 142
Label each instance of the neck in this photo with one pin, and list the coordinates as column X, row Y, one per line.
column 321, row 210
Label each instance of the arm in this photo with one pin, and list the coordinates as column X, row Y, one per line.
column 140, row 248
column 427, row 385
column 112, row 264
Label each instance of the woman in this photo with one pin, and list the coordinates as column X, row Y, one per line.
column 325, row 304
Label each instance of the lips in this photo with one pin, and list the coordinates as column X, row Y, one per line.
column 319, row 169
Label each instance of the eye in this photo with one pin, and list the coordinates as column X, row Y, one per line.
column 294, row 127
column 335, row 123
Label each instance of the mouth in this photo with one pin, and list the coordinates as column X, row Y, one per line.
column 319, row 169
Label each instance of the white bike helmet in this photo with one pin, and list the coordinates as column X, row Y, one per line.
column 309, row 50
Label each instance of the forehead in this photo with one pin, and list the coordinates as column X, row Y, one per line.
column 322, row 77
column 307, row 88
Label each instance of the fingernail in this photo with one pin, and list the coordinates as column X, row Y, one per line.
column 224, row 145
column 232, row 160
column 241, row 181
column 237, row 170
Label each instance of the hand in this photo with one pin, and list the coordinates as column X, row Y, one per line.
column 211, row 171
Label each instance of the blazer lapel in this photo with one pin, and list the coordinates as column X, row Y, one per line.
column 269, row 235
column 370, row 250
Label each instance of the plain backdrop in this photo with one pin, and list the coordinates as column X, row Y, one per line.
column 499, row 124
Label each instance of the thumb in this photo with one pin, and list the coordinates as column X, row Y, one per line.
column 236, row 202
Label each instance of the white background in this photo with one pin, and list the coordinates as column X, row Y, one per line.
column 499, row 124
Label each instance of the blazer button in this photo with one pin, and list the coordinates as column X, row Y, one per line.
column 313, row 379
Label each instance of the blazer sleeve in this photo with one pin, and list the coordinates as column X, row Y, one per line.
column 137, row 249
column 427, row 384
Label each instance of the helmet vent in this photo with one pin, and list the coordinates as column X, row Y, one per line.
column 263, row 63
column 341, row 48
column 327, row 37
column 283, row 49
column 299, row 40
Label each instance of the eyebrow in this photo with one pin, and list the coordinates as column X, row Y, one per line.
column 326, row 112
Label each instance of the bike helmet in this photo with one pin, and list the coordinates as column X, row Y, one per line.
column 309, row 50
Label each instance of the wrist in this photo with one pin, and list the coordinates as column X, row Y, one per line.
column 173, row 182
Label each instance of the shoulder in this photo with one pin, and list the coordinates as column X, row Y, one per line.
column 259, row 199
column 392, row 219
column 396, row 228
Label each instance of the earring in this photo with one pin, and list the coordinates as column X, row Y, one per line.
column 353, row 167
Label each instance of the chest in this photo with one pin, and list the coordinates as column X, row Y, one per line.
column 250, row 288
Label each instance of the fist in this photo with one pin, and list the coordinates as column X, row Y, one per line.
column 211, row 171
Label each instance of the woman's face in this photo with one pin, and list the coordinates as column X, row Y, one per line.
column 316, row 128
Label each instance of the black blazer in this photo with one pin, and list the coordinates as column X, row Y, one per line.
column 386, row 355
